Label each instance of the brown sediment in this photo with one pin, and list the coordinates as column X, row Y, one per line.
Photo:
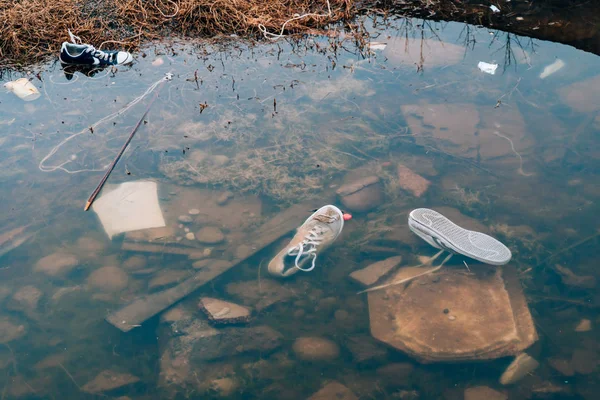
column 34, row 29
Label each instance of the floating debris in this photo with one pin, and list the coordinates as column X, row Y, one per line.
column 487, row 67
column 24, row 89
column 556, row 66
column 131, row 206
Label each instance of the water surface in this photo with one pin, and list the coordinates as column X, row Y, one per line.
column 282, row 124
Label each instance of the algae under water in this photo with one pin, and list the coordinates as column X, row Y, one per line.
column 244, row 131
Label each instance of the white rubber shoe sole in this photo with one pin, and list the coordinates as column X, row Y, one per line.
column 442, row 233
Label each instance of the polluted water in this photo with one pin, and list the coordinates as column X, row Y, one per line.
column 162, row 289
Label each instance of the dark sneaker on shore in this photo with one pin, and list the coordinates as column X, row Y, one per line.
column 85, row 54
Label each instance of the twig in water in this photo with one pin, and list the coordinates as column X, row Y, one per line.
column 259, row 267
column 499, row 102
column 69, row 375
column 582, row 241
column 114, row 163
column 466, row 265
column 431, row 260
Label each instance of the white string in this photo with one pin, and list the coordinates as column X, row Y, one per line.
column 277, row 36
column 512, row 146
column 61, row 167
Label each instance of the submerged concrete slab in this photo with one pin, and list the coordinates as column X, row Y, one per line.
column 454, row 315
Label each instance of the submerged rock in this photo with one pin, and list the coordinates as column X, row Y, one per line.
column 365, row 350
column 410, row 318
column 5, row 291
column 190, row 236
column 26, row 299
column 396, row 374
column 210, row 235
column 334, row 390
column 258, row 296
column 561, row 365
column 371, row 274
column 584, row 361
column 10, row 330
column 224, row 198
column 90, row 246
column 224, row 386
column 56, row 264
column 411, row 181
column 484, row 393
column 550, row 390
column 362, row 195
column 108, row 279
column 231, row 342
column 109, row 380
column 224, row 312
column 582, row 96
column 569, row 278
column 185, row 219
column 315, row 349
column 522, row 365
column 134, row 262
column 585, row 325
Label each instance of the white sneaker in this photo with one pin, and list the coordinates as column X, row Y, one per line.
column 442, row 233
column 316, row 234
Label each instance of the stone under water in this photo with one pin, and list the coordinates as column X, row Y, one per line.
column 522, row 365
column 334, row 390
column 453, row 315
column 224, row 312
column 372, row 273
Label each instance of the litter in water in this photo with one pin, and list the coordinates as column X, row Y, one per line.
column 131, row 206
column 23, row 88
column 377, row 45
column 556, row 66
column 487, row 67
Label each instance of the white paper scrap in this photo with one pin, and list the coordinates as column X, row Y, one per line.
column 131, row 206
column 494, row 9
column 557, row 65
column 377, row 45
column 487, row 68
column 23, row 88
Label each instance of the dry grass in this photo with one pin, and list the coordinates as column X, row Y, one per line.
column 34, row 29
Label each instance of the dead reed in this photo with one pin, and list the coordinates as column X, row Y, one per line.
column 34, row 29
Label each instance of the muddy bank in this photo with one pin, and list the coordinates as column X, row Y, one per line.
column 35, row 29
column 572, row 22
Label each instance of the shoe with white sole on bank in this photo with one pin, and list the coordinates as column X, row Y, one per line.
column 85, row 54
column 78, row 53
column 442, row 233
column 315, row 235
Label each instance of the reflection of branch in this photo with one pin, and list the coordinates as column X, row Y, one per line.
column 499, row 102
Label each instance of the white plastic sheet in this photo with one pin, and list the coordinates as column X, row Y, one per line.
column 487, row 68
column 556, row 66
column 23, row 88
column 130, row 206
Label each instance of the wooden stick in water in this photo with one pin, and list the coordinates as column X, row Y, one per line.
column 116, row 160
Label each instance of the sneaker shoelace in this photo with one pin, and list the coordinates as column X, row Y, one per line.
column 90, row 49
column 97, row 53
column 308, row 247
